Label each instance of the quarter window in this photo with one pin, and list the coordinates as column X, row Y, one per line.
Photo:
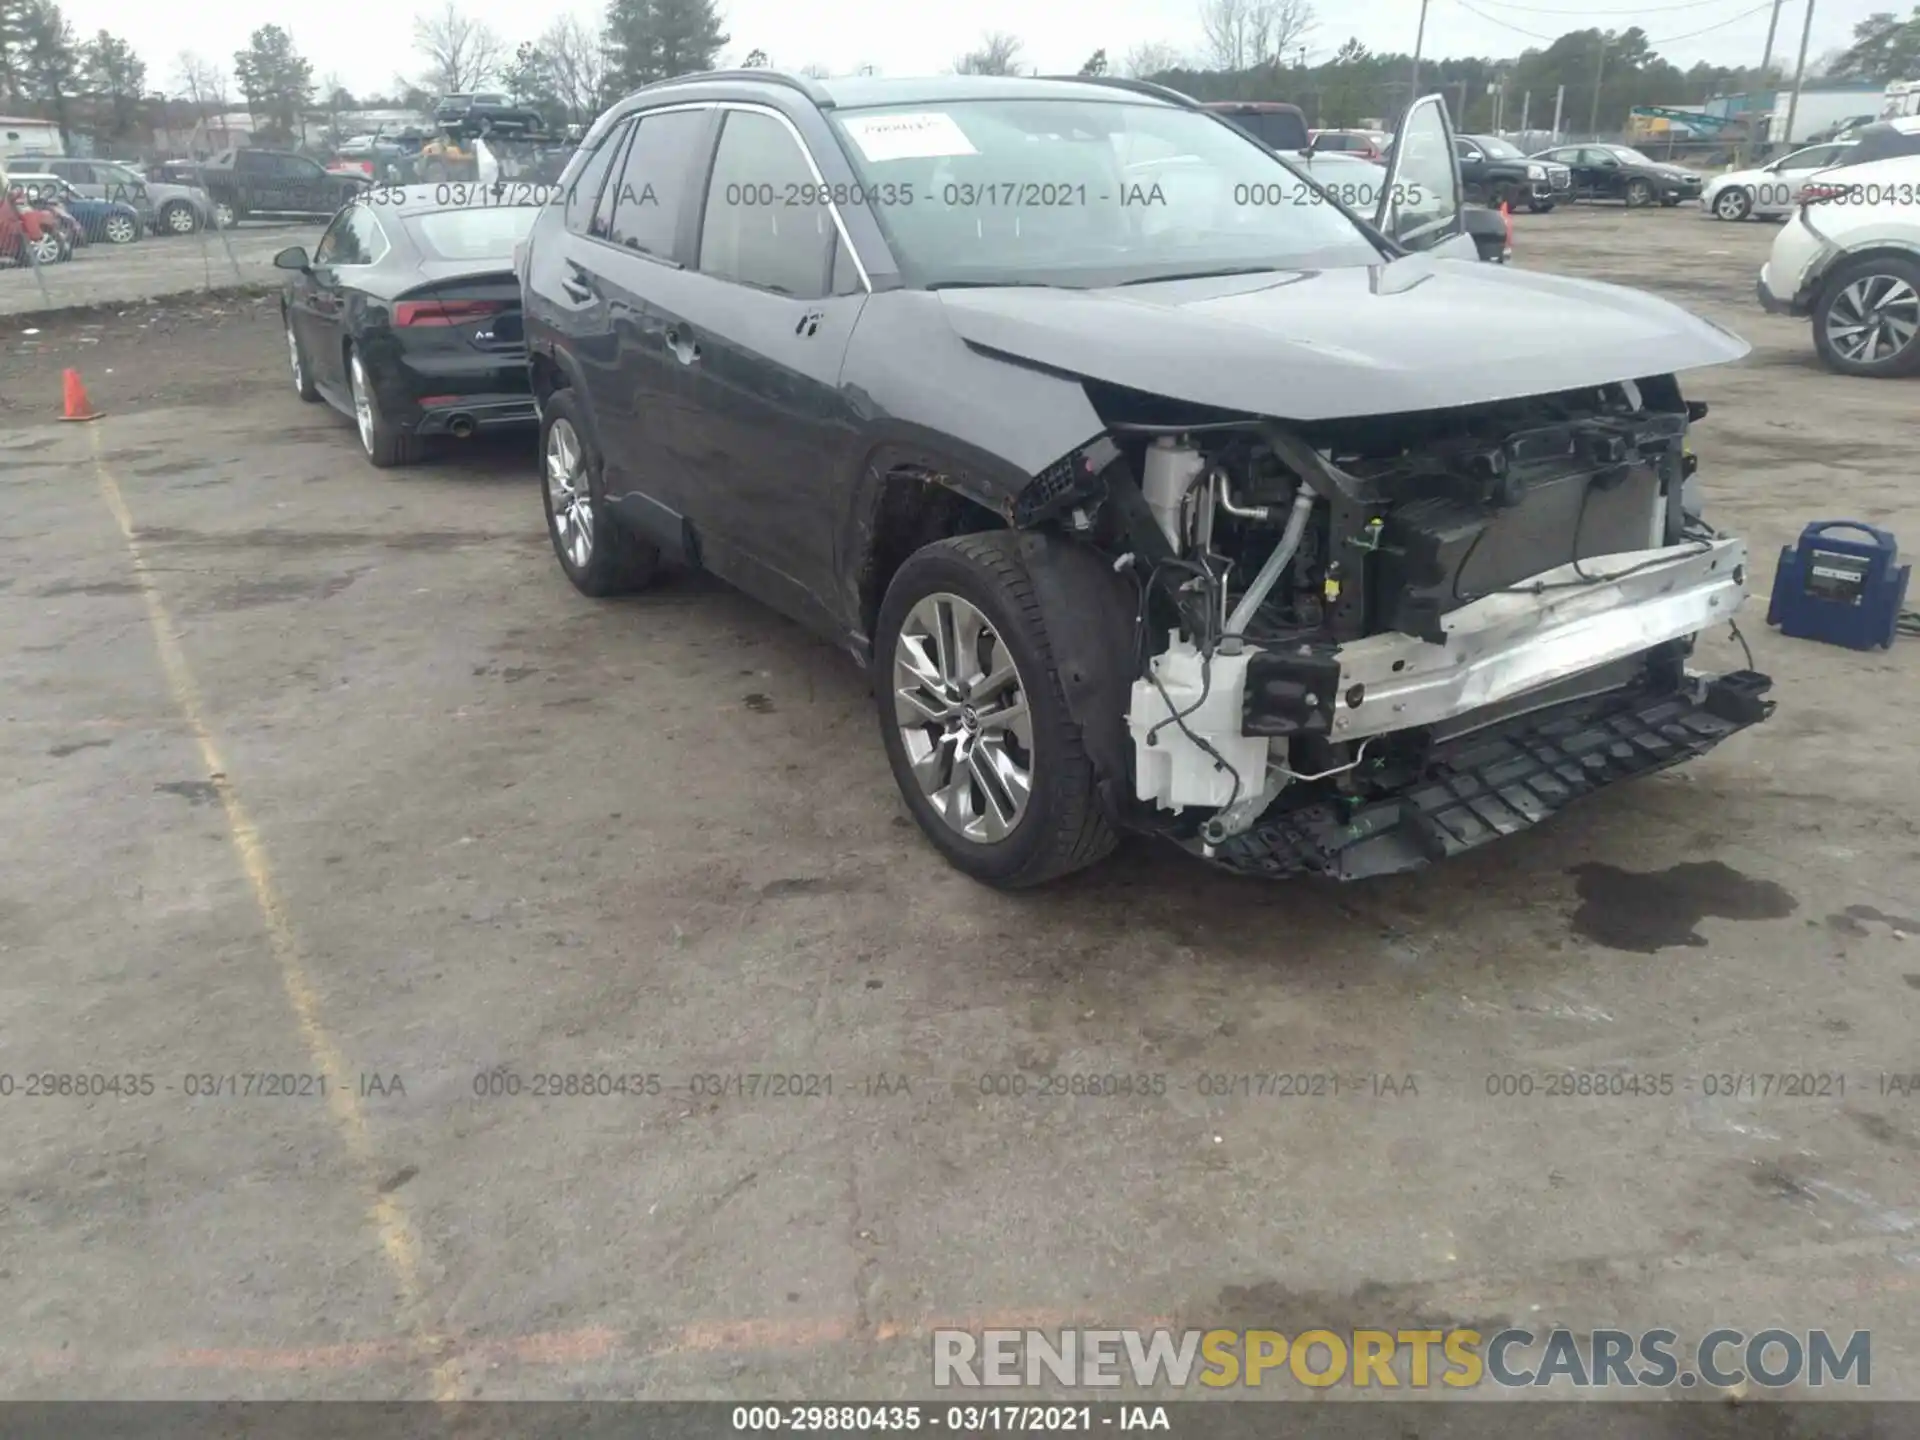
column 584, row 194
column 763, row 226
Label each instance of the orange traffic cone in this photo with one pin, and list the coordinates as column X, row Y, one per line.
column 78, row 407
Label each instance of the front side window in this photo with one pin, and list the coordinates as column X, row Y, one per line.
column 751, row 233
column 1084, row 193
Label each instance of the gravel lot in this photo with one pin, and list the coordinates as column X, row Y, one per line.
column 317, row 768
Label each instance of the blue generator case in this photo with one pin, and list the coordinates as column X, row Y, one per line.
column 1842, row 591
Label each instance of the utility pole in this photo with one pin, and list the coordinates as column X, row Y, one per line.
column 1766, row 57
column 1559, row 100
column 1599, row 69
column 1526, row 105
column 1419, row 40
column 1799, row 73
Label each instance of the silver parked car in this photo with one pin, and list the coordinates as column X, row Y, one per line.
column 166, row 209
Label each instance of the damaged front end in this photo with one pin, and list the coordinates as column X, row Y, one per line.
column 1364, row 645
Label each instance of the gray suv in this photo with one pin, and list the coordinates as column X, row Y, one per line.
column 164, row 209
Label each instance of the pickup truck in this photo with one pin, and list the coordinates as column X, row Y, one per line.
column 247, row 181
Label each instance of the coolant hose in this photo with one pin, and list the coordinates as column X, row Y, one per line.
column 1269, row 575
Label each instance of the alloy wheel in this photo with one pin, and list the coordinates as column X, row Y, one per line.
column 362, row 403
column 46, row 250
column 1732, row 204
column 1873, row 319
column 299, row 371
column 121, row 230
column 961, row 706
column 180, row 220
column 569, row 500
column 223, row 215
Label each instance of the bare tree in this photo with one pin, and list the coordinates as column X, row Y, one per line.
column 1155, row 57
column 201, row 83
column 576, row 66
column 1241, row 34
column 815, row 71
column 461, row 53
column 999, row 54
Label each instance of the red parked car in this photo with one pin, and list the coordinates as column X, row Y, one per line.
column 24, row 229
column 1367, row 144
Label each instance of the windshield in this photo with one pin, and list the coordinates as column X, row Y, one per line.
column 1083, row 193
column 475, row 234
column 1502, row 150
column 1629, row 154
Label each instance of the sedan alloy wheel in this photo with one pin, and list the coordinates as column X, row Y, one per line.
column 122, row 229
column 1872, row 322
column 1732, row 203
column 568, row 497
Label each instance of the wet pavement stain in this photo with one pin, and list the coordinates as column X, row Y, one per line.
column 60, row 752
column 759, row 704
column 194, row 792
column 171, row 467
column 252, row 593
column 1645, row 912
column 1857, row 920
column 98, row 587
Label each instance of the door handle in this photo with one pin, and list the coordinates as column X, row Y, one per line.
column 682, row 345
column 577, row 285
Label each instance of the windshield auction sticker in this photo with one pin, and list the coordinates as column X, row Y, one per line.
column 929, row 136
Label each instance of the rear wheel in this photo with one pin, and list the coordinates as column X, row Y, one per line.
column 1733, row 203
column 1867, row 321
column 121, row 229
column 599, row 555
column 179, row 218
column 226, row 216
column 49, row 249
column 385, row 443
column 974, row 721
column 302, row 371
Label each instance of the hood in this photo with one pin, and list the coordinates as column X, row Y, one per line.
column 163, row 190
column 1678, row 172
column 1360, row 340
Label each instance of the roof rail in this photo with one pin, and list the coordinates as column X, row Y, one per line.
column 807, row 87
column 1138, row 87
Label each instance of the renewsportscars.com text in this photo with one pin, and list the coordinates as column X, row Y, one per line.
column 1389, row 1359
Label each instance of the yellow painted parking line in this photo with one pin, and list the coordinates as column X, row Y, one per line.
column 398, row 1240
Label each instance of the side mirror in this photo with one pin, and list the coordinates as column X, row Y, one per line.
column 1420, row 196
column 294, row 257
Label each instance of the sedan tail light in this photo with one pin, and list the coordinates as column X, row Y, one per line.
column 1814, row 194
column 444, row 312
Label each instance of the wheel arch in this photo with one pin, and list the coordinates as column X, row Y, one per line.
column 907, row 498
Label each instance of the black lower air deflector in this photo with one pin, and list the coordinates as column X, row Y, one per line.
column 1496, row 781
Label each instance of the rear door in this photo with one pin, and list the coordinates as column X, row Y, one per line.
column 352, row 242
column 767, row 317
column 640, row 240
column 257, row 177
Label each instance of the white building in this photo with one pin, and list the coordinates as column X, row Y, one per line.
column 21, row 136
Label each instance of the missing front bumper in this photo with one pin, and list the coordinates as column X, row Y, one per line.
column 1499, row 780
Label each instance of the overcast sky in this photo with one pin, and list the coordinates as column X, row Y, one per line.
column 368, row 42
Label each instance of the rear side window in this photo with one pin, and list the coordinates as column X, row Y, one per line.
column 584, row 194
column 354, row 238
column 750, row 234
column 648, row 195
column 1281, row 129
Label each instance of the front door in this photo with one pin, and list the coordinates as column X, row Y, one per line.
column 766, row 321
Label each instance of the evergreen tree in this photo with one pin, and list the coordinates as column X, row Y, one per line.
column 275, row 80
column 115, row 77
column 45, row 61
column 648, row 40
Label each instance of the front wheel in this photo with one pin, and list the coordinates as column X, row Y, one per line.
column 49, row 249
column 1733, row 203
column 302, row 372
column 179, row 218
column 975, row 724
column 1867, row 321
column 1540, row 207
column 225, row 216
column 121, row 229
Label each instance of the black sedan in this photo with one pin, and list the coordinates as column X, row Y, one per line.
column 407, row 315
column 1620, row 172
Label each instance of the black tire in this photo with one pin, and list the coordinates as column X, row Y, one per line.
column 298, row 363
column 120, row 229
column 1062, row 828
column 385, row 443
column 1897, row 276
column 617, row 561
column 177, row 217
column 1639, row 193
column 1540, row 207
column 1733, row 203
column 1669, row 202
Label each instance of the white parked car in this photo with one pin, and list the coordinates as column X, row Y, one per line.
column 1849, row 259
column 1770, row 190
